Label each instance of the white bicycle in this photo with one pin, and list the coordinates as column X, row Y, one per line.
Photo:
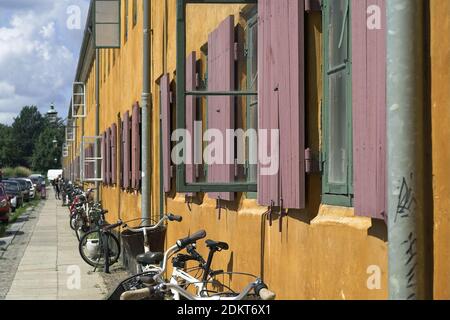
column 154, row 286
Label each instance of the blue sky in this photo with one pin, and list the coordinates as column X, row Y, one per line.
column 38, row 53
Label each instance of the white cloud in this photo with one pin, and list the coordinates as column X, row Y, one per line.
column 48, row 31
column 6, row 90
column 38, row 54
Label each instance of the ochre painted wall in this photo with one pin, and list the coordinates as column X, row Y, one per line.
column 440, row 104
column 321, row 252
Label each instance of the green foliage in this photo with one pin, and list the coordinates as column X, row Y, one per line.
column 26, row 130
column 7, row 150
column 8, row 172
column 45, row 151
column 18, row 172
column 29, row 143
column 22, row 172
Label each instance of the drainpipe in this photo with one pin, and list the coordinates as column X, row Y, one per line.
column 97, row 121
column 145, row 103
column 405, row 155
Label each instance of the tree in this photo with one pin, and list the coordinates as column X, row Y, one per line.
column 25, row 132
column 7, row 149
column 46, row 151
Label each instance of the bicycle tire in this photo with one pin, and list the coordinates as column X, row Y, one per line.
column 72, row 222
column 130, row 284
column 96, row 258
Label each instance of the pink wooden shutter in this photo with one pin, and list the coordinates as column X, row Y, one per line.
column 369, row 111
column 136, row 147
column 122, row 147
column 114, row 153
column 105, row 181
column 126, row 151
column 221, row 73
column 191, row 106
column 166, row 136
column 281, row 99
column 108, row 156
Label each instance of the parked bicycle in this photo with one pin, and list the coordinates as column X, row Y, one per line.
column 156, row 287
column 100, row 247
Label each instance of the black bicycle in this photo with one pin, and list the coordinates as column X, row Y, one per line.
column 100, row 247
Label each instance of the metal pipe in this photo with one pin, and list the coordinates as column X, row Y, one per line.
column 145, row 103
column 405, row 155
column 97, row 121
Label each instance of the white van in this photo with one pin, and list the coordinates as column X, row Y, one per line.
column 54, row 173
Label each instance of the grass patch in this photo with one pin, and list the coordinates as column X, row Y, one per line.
column 16, row 215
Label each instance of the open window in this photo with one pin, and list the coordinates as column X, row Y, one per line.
column 107, row 23
column 65, row 150
column 70, row 130
column 78, row 100
column 91, row 159
column 246, row 103
column 215, row 92
column 337, row 105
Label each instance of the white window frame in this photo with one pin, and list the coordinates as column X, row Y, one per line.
column 85, row 140
column 81, row 105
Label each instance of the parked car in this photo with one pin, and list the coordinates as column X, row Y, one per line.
column 5, row 205
column 37, row 180
column 24, row 188
column 12, row 189
column 31, row 187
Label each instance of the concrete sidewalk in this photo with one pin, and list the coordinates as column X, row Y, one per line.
column 51, row 268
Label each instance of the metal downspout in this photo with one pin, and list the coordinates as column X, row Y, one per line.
column 145, row 103
column 405, row 155
column 97, row 121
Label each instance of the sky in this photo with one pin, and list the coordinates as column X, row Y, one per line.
column 40, row 42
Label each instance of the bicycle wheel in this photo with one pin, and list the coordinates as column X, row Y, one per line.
column 91, row 248
column 73, row 221
column 132, row 283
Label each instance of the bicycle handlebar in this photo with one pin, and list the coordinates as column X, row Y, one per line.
column 173, row 217
column 258, row 286
column 140, row 294
column 169, row 217
column 183, row 243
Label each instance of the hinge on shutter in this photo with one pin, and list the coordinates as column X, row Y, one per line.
column 197, row 170
column 312, row 163
column 197, row 80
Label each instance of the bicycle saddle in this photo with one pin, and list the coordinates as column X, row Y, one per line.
column 150, row 258
column 216, row 245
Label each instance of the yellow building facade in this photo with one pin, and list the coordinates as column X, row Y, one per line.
column 320, row 252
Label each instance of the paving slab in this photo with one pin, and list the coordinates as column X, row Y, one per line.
column 51, row 267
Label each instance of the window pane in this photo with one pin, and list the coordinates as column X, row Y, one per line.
column 337, row 49
column 107, row 12
column 337, row 164
column 107, row 35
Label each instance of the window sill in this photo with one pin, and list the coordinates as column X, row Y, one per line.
column 344, row 216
